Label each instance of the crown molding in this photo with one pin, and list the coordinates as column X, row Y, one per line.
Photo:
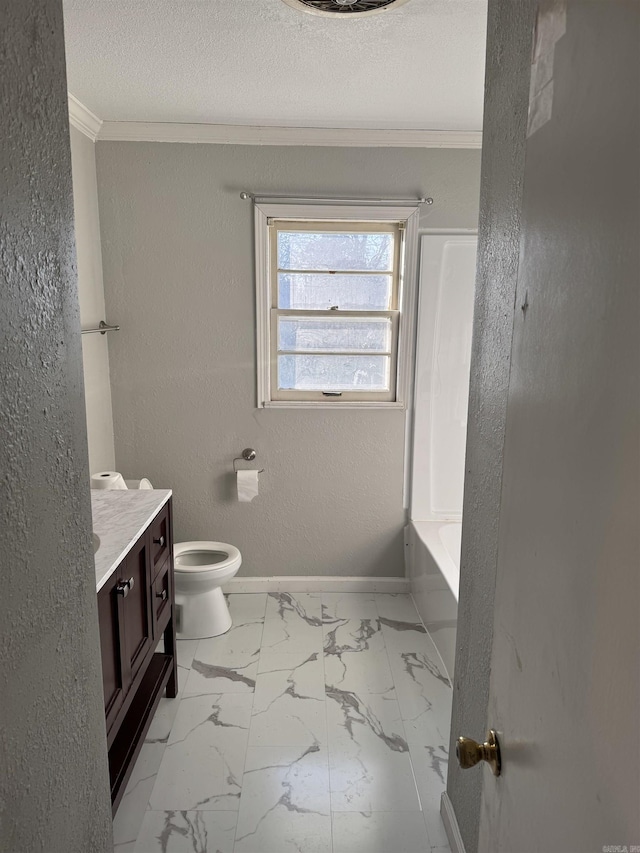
column 226, row 134
column 83, row 119
column 235, row 134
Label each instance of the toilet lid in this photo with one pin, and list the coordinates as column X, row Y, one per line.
column 203, row 556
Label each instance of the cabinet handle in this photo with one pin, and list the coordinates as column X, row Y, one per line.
column 162, row 595
column 159, row 541
column 124, row 587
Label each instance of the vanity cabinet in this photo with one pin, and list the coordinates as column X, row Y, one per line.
column 136, row 608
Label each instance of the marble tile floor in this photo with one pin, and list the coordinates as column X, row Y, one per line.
column 318, row 723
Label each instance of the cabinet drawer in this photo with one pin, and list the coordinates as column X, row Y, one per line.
column 162, row 595
column 160, row 539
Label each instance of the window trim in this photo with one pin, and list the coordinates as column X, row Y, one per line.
column 406, row 215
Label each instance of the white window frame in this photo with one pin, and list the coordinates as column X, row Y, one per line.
column 407, row 217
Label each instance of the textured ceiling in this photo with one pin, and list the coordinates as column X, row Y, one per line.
column 420, row 65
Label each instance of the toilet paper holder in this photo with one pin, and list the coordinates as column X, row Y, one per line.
column 248, row 455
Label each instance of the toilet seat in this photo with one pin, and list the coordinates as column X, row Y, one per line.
column 205, row 558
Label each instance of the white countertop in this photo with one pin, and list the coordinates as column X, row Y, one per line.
column 119, row 517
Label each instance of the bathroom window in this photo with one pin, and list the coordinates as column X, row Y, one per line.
column 331, row 310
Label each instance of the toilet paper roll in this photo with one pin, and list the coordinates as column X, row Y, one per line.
column 108, row 480
column 247, row 485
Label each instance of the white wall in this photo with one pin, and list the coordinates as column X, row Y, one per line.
column 178, row 265
column 95, row 348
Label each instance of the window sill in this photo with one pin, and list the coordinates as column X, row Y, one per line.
column 308, row 404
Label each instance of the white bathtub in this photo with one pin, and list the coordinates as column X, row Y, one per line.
column 433, row 566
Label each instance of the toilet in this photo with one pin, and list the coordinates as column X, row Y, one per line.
column 200, row 569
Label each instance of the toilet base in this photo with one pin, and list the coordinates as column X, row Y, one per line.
column 201, row 616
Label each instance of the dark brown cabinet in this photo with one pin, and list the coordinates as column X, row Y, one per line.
column 135, row 609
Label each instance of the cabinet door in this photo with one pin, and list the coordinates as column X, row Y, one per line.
column 114, row 677
column 138, row 616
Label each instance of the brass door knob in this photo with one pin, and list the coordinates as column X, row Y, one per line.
column 469, row 753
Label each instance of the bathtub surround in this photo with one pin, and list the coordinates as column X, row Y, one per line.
column 178, row 269
column 95, row 348
column 318, row 722
column 443, row 353
column 433, row 565
column 54, row 784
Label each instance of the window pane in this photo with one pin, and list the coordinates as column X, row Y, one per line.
column 348, row 292
column 334, row 372
column 326, row 333
column 310, row 250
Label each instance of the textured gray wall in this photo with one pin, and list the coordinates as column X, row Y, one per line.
column 54, row 792
column 178, row 269
column 510, row 31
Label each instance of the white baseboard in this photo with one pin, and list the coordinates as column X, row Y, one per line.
column 317, row 584
column 450, row 822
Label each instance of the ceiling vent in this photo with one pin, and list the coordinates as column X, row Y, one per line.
column 353, row 8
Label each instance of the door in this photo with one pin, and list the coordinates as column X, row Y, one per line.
column 564, row 660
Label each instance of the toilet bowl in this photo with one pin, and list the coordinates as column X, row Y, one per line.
column 200, row 569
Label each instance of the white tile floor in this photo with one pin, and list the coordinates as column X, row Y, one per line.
column 318, row 723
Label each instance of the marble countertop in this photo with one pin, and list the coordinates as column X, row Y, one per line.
column 119, row 517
